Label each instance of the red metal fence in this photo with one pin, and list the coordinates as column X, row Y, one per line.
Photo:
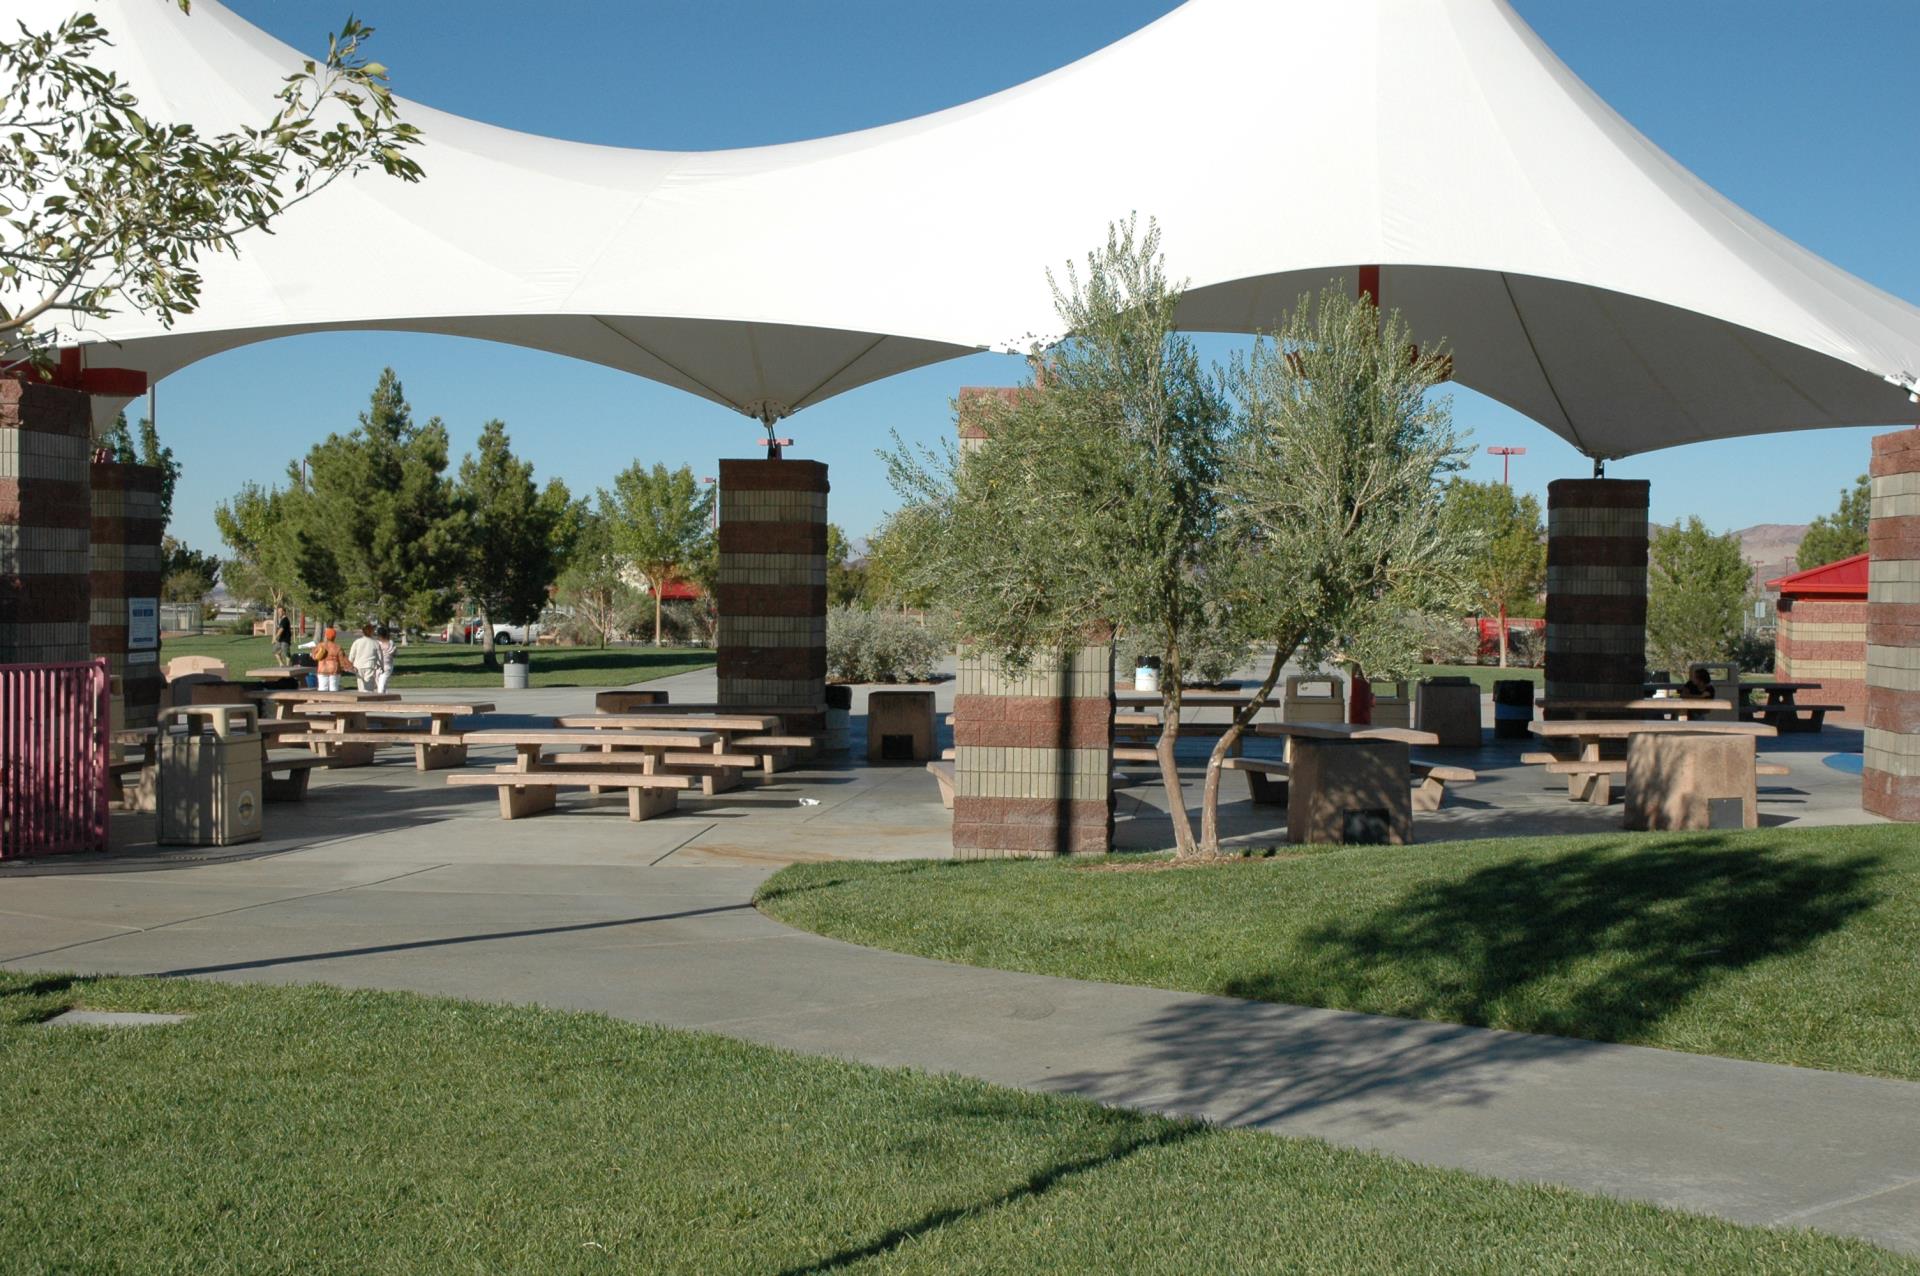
column 53, row 758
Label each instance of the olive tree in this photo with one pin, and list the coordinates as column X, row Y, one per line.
column 1092, row 504
column 102, row 207
column 1333, row 485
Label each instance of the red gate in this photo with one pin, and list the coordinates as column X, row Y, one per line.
column 53, row 758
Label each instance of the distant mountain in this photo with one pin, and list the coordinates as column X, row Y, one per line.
column 1771, row 547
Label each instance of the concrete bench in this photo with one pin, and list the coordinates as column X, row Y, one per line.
column 1430, row 781
column 1593, row 781
column 944, row 772
column 524, row 793
column 1786, row 717
column 1266, row 781
column 432, row 750
column 1137, row 755
column 716, row 772
column 1590, row 780
column 285, row 779
column 775, row 752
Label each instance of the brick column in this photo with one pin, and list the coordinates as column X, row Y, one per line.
column 772, row 590
column 46, row 436
column 1033, row 756
column 1596, row 588
column 1890, row 781
column 125, row 569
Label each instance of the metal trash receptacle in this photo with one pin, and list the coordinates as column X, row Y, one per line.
column 207, row 764
column 1513, row 708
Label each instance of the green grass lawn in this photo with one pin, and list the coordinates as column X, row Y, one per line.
column 313, row 1130
column 434, row 664
column 1484, row 676
column 1789, row 946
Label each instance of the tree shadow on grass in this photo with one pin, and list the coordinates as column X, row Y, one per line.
column 1600, row 943
column 1144, row 1137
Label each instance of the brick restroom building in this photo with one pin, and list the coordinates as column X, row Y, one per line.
column 1822, row 635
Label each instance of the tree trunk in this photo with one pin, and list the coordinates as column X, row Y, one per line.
column 659, row 589
column 1183, row 843
column 1503, row 639
column 1210, row 796
column 487, row 660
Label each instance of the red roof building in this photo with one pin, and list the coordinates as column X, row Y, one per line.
column 1823, row 633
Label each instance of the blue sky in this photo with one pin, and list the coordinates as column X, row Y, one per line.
column 1803, row 114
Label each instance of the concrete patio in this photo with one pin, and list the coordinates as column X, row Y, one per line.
column 387, row 878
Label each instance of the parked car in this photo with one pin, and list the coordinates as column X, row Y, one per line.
column 472, row 629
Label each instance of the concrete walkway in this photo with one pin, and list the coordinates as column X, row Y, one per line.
column 390, row 880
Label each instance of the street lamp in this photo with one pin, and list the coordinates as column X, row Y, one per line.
column 1506, row 455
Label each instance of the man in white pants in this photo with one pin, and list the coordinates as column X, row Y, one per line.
column 366, row 658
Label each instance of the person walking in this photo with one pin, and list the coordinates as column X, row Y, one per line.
column 282, row 638
column 328, row 661
column 385, row 638
column 366, row 659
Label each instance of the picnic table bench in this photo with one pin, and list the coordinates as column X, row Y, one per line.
column 531, row 784
column 1590, row 776
column 352, row 732
column 650, row 752
column 757, row 734
column 1782, row 708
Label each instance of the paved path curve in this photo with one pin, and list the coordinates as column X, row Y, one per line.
column 473, row 908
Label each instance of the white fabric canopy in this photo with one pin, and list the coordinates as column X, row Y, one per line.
column 1576, row 271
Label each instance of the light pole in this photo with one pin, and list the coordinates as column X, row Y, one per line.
column 1506, row 455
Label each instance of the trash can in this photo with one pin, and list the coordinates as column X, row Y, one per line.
column 1513, row 708
column 207, row 764
column 839, row 711
column 514, row 668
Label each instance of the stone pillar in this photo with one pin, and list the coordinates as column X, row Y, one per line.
column 1890, row 779
column 1596, row 589
column 772, row 590
column 1033, row 756
column 125, row 569
column 46, row 436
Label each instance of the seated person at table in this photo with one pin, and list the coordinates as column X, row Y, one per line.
column 1698, row 686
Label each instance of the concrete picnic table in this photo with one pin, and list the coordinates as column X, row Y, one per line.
column 284, row 702
column 1592, row 782
column 348, row 737
column 531, row 744
column 1685, row 706
column 1343, row 731
column 292, row 675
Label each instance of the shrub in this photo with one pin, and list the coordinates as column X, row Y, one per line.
column 1449, row 640
column 881, row 646
column 242, row 627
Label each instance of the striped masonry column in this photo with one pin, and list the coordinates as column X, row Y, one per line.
column 1596, row 588
column 772, row 589
column 1033, row 756
column 46, row 436
column 1824, row 640
column 125, row 567
column 1890, row 779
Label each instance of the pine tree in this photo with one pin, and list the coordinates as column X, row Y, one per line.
column 516, row 533
column 378, row 514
